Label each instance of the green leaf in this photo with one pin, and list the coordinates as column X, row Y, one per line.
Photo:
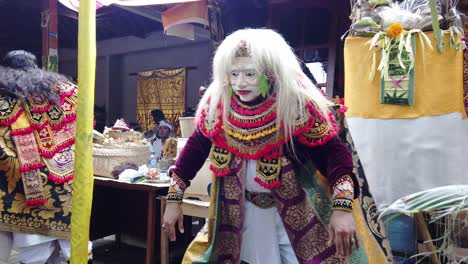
column 452, row 38
column 264, row 86
column 436, row 25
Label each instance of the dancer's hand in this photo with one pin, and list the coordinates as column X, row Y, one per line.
column 173, row 215
column 342, row 232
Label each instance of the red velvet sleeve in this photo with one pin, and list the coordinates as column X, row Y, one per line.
column 192, row 157
column 333, row 160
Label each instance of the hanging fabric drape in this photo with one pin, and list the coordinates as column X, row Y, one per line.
column 84, row 179
column 164, row 90
column 74, row 4
column 178, row 21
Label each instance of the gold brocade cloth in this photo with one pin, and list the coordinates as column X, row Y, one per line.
column 161, row 89
column 36, row 163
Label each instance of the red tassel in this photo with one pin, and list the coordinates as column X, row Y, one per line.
column 218, row 173
column 12, row 120
column 69, row 119
column 268, row 186
column 67, row 94
column 65, row 121
column 22, row 131
column 41, row 110
column 51, row 154
column 60, row 180
column 40, row 127
column 31, row 167
column 36, row 202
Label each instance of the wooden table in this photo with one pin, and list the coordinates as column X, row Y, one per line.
column 120, row 206
column 190, row 208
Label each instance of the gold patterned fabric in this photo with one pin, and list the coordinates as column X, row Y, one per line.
column 36, row 163
column 306, row 231
column 161, row 89
column 52, row 218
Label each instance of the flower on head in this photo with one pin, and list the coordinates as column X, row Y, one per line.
column 394, row 30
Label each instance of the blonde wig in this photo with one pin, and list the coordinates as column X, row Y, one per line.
column 273, row 57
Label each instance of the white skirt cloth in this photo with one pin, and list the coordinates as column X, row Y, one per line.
column 264, row 238
column 405, row 156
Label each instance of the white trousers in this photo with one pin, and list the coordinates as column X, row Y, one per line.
column 52, row 252
column 264, row 238
column 35, row 249
column 6, row 244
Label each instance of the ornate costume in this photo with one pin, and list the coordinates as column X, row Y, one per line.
column 37, row 136
column 269, row 202
column 303, row 212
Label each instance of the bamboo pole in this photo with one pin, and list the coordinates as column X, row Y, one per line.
column 426, row 236
column 83, row 182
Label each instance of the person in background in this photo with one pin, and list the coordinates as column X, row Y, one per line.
column 135, row 126
column 158, row 116
column 152, row 135
column 164, row 132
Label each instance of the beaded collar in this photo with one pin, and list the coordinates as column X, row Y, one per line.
column 252, row 132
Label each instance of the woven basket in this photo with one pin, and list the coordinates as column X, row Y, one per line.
column 106, row 158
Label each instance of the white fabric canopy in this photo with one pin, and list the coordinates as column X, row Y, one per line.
column 74, row 4
column 404, row 156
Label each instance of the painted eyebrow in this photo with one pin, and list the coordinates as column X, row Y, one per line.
column 248, row 68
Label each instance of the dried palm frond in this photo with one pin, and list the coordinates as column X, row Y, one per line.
column 447, row 205
column 440, row 202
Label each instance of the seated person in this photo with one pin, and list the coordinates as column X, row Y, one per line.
column 164, row 133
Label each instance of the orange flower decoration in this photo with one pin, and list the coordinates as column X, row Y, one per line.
column 394, row 30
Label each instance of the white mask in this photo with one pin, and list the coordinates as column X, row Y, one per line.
column 245, row 79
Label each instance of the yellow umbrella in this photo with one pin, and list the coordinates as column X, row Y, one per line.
column 83, row 182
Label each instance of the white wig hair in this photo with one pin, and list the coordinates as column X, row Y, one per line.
column 273, row 57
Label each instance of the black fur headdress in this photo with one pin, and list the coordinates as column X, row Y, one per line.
column 20, row 77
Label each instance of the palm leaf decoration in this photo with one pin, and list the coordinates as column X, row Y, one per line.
column 440, row 202
column 445, row 204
